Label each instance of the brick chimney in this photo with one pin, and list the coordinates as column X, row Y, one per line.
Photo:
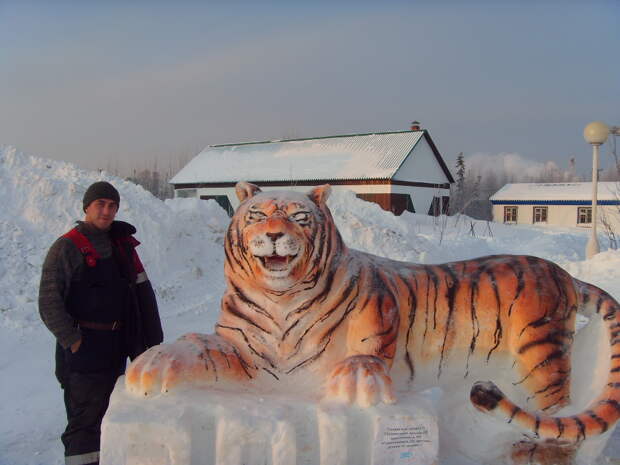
column 415, row 126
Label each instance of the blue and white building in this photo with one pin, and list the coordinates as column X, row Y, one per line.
column 557, row 204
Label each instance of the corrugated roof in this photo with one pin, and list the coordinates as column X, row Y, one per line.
column 556, row 191
column 364, row 156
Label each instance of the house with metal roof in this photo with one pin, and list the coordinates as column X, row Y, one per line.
column 558, row 204
column 397, row 170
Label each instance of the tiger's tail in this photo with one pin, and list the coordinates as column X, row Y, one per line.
column 598, row 417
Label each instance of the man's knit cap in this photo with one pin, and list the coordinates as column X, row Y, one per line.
column 100, row 190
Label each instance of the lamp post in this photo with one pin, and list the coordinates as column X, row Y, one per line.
column 595, row 134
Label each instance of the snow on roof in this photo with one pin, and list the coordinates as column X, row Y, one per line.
column 366, row 156
column 557, row 191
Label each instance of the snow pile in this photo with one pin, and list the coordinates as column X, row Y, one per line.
column 43, row 198
column 182, row 251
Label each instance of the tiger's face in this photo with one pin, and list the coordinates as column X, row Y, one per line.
column 276, row 236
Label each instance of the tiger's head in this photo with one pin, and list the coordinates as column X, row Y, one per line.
column 278, row 239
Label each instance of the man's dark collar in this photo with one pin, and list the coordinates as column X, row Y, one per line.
column 117, row 229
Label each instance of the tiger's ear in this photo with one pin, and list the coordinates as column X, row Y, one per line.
column 320, row 194
column 246, row 190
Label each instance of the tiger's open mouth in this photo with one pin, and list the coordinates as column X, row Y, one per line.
column 277, row 262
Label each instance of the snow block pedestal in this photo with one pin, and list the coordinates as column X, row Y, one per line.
column 205, row 427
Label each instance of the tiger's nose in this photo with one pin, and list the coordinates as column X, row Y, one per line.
column 274, row 236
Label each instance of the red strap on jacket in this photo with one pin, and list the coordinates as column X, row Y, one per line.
column 133, row 243
column 84, row 246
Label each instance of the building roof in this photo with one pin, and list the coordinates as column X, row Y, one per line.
column 347, row 157
column 563, row 191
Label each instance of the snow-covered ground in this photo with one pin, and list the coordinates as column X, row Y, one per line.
column 182, row 251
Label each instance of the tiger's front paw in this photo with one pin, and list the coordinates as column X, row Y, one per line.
column 361, row 379
column 193, row 360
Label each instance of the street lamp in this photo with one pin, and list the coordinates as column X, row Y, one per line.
column 596, row 134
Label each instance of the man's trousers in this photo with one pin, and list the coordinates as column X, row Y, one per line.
column 86, row 397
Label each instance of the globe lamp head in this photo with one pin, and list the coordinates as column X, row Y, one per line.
column 596, row 133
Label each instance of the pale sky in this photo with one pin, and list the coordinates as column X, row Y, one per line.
column 122, row 82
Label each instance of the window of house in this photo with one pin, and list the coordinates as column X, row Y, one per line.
column 540, row 214
column 186, row 193
column 584, row 215
column 510, row 214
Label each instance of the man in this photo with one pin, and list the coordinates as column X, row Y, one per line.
column 97, row 301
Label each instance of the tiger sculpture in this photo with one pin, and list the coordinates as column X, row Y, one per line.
column 309, row 314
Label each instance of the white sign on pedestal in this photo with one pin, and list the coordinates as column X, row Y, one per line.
column 405, row 440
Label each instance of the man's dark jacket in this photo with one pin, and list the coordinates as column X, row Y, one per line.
column 65, row 272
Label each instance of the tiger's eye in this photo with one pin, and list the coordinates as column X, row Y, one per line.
column 256, row 216
column 300, row 217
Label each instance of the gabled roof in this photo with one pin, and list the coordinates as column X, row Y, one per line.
column 347, row 157
column 556, row 191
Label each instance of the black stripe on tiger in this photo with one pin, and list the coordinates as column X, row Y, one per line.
column 271, row 373
column 229, row 251
column 253, row 305
column 343, row 298
column 604, row 425
column 230, row 257
column 242, row 250
column 520, row 284
column 451, row 290
column 247, row 341
column 560, row 425
column 210, row 359
column 515, row 410
column 614, row 403
column 381, row 334
column 413, row 306
column 474, row 292
column 432, row 276
column 558, row 383
column 309, row 359
column 315, row 267
column 224, row 353
column 317, row 298
column 497, row 334
column 555, row 337
column 542, row 321
column 233, row 311
column 552, row 356
column 242, row 362
column 350, row 307
column 580, row 426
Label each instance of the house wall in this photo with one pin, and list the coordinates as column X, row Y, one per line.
column 421, row 166
column 421, row 197
column 561, row 215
